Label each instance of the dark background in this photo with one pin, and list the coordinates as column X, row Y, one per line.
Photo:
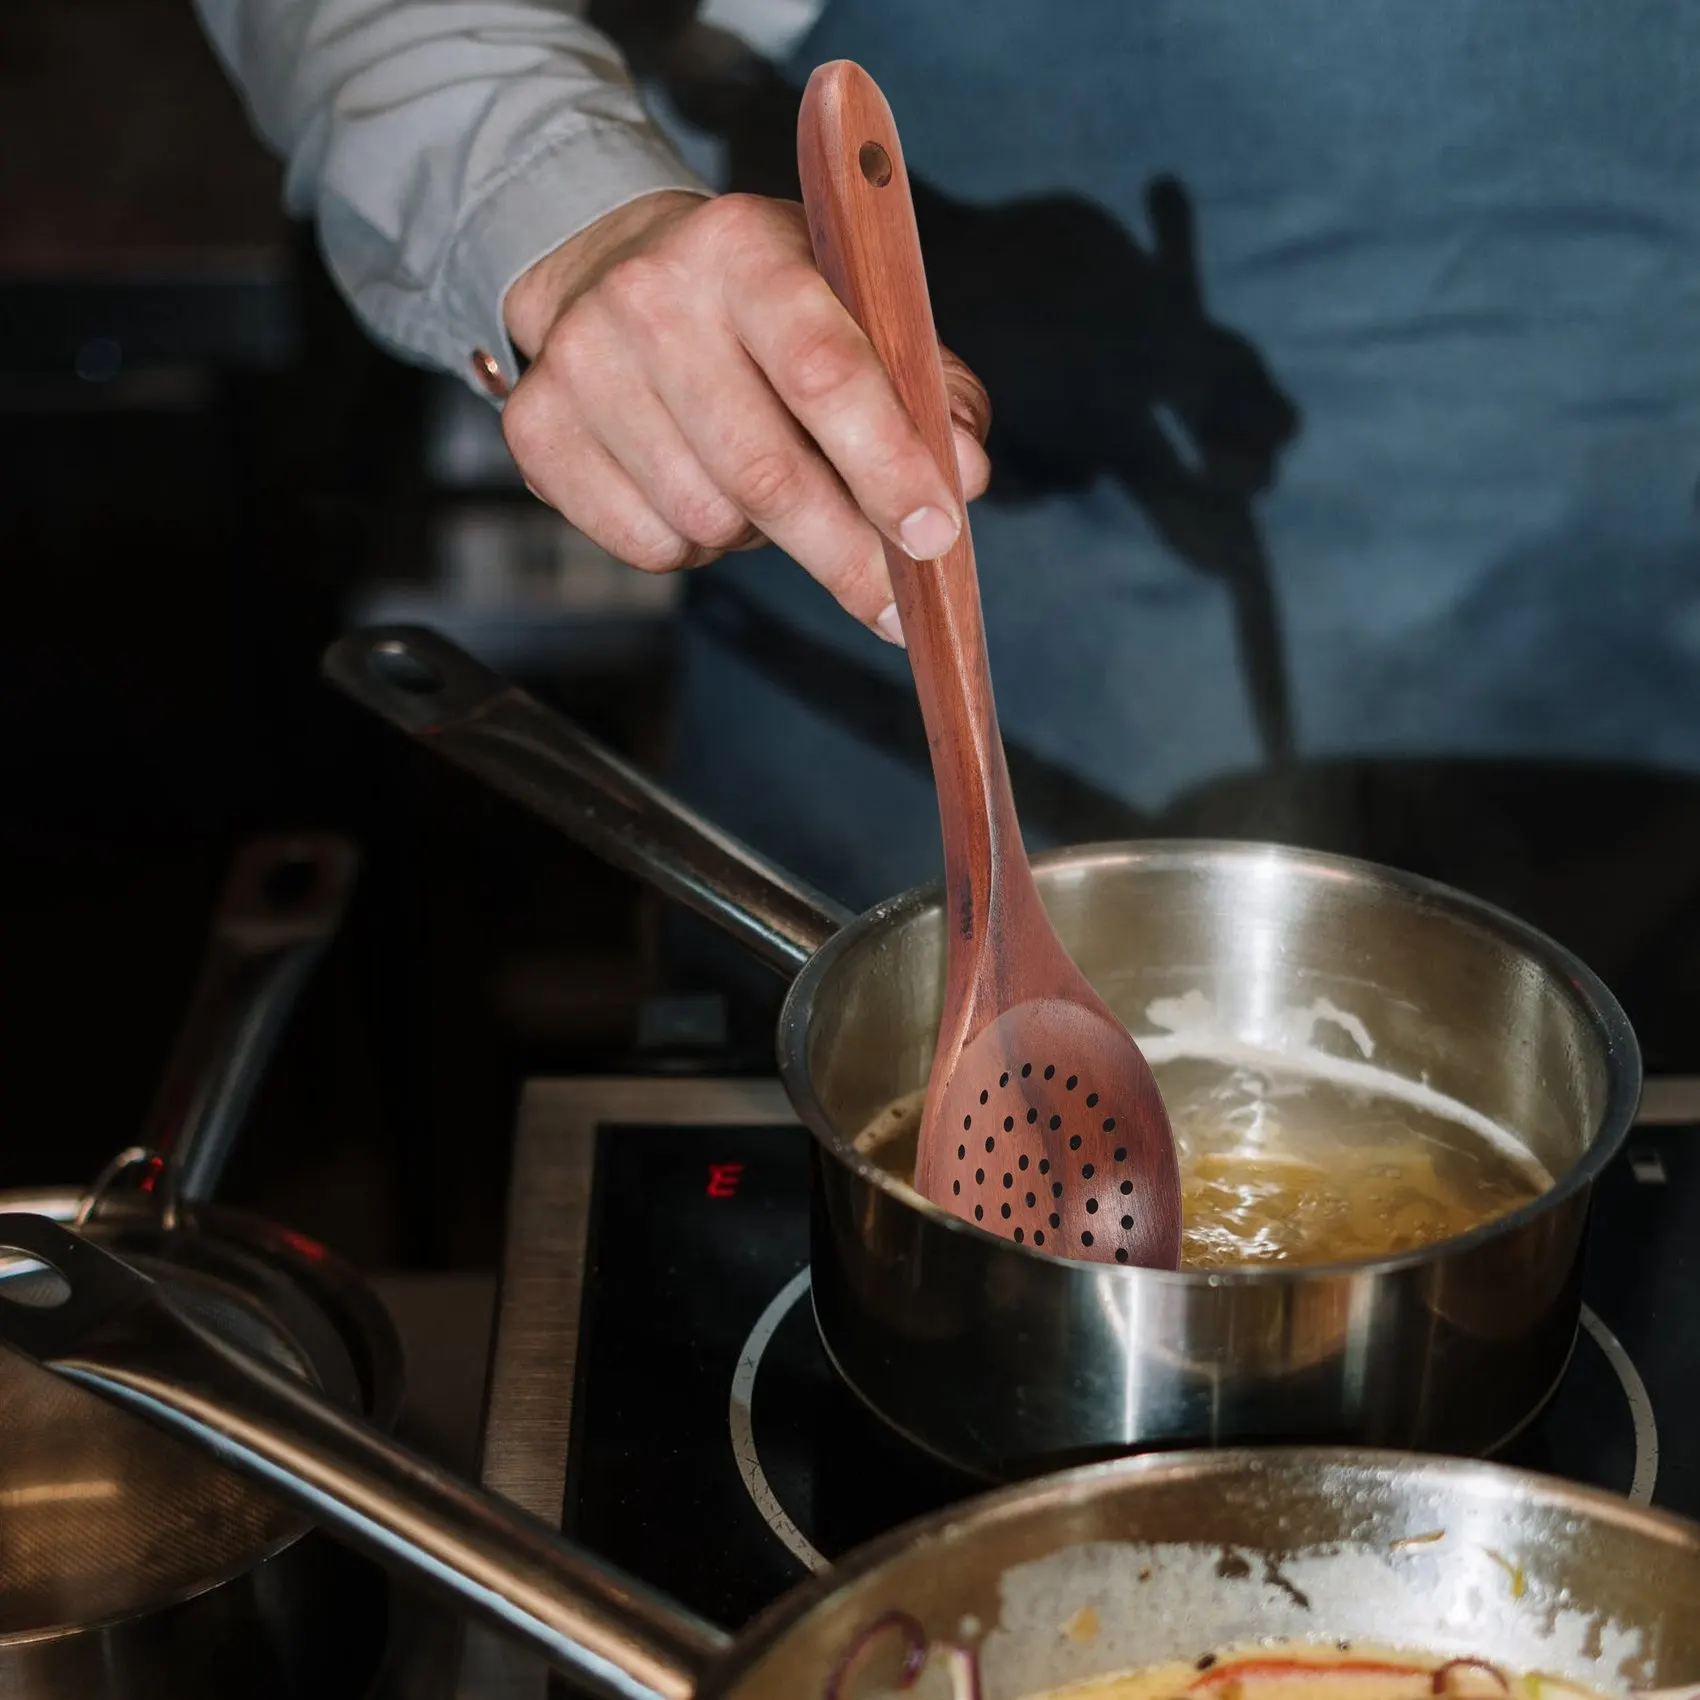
column 206, row 470
column 204, row 461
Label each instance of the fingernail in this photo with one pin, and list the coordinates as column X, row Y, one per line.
column 927, row 533
column 890, row 627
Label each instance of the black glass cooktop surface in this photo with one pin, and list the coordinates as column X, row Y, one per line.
column 715, row 1455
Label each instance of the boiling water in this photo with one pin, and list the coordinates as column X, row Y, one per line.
column 1284, row 1166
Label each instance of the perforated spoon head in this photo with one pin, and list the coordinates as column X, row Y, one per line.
column 1049, row 1129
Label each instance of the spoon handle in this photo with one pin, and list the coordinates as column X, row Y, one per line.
column 862, row 223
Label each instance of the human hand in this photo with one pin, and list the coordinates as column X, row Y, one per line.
column 696, row 387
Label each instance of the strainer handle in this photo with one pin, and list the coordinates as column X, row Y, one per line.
column 438, row 694
column 119, row 1335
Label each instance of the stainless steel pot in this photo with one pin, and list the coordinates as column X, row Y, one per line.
column 127, row 1565
column 1002, row 1360
column 1098, row 1570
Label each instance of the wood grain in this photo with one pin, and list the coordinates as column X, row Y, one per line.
column 868, row 249
column 1068, row 1111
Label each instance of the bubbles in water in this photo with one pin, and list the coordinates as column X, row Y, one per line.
column 1283, row 1167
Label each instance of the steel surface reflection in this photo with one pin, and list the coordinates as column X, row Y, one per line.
column 1003, row 1360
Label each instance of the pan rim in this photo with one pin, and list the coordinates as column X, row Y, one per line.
column 1670, row 1530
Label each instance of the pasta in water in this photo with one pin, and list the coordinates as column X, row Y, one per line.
column 1280, row 1167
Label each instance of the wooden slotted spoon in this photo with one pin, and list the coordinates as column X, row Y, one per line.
column 1043, row 1122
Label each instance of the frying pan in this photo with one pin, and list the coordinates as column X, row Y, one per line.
column 1100, row 1569
column 1003, row 1361
column 126, row 1565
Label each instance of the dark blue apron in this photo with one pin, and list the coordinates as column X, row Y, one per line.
column 1347, row 369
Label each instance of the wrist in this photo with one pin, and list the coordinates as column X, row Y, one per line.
column 545, row 290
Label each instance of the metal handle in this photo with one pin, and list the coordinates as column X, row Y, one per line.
column 281, row 904
column 440, row 695
column 116, row 1333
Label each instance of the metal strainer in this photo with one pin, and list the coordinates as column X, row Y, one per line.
column 101, row 1516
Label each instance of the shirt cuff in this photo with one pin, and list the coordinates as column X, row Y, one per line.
column 548, row 196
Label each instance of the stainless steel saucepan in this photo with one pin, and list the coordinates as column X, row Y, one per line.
column 1094, row 1571
column 1002, row 1360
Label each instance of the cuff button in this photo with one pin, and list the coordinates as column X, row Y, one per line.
column 486, row 370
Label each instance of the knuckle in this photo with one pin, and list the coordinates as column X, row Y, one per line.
column 823, row 364
column 640, row 287
column 655, row 550
column 901, row 473
column 568, row 341
column 734, row 219
column 771, row 481
column 522, row 426
column 709, row 519
column 859, row 580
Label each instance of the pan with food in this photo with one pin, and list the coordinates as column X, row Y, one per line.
column 1304, row 1574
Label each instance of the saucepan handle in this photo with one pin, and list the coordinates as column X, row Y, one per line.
column 443, row 697
column 282, row 902
column 115, row 1332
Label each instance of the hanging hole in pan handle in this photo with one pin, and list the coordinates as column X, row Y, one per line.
column 71, row 1288
column 397, row 663
column 413, row 677
column 26, row 1280
column 285, row 888
column 288, row 884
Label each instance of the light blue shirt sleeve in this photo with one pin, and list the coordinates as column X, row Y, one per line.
column 441, row 148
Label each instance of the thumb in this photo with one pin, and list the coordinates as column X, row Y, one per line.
column 971, row 414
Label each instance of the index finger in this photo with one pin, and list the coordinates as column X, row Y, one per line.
column 829, row 376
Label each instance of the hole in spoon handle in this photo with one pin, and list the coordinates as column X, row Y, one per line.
column 862, row 224
column 868, row 249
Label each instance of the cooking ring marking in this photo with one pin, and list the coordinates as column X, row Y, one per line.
column 776, row 1517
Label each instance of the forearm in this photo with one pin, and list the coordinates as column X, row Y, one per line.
column 442, row 147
